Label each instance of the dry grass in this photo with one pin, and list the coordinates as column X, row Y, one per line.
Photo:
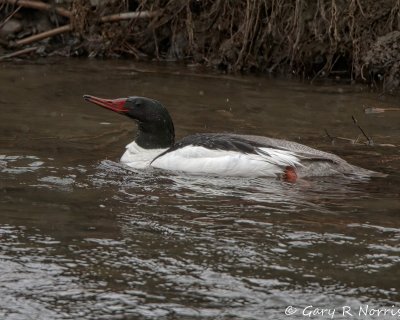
column 308, row 38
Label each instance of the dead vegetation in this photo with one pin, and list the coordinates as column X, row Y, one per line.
column 353, row 39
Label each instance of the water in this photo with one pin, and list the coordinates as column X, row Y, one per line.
column 82, row 237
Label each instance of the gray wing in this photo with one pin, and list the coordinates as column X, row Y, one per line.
column 315, row 162
column 304, row 151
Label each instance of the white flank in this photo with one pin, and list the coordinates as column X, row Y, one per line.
column 200, row 160
column 279, row 157
column 138, row 157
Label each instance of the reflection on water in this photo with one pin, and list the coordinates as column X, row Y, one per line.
column 83, row 237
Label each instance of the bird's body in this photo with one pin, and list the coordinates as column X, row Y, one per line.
column 239, row 155
column 219, row 154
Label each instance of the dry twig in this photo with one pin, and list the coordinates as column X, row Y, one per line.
column 369, row 110
column 18, row 53
column 369, row 139
column 39, row 6
column 128, row 15
column 9, row 17
column 68, row 27
column 43, row 35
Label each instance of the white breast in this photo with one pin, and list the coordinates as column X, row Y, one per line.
column 138, row 157
column 200, row 160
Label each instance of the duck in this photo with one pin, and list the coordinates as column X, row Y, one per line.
column 218, row 154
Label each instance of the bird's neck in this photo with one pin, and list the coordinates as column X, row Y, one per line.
column 155, row 136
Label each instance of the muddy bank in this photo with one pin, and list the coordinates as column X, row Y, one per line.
column 355, row 40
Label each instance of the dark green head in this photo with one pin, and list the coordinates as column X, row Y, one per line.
column 156, row 129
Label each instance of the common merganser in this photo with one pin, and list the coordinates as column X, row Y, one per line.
column 218, row 153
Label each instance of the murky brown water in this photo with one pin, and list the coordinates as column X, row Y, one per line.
column 81, row 237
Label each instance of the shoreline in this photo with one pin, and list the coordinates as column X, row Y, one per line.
column 307, row 41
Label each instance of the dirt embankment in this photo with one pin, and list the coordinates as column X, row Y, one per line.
column 353, row 39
